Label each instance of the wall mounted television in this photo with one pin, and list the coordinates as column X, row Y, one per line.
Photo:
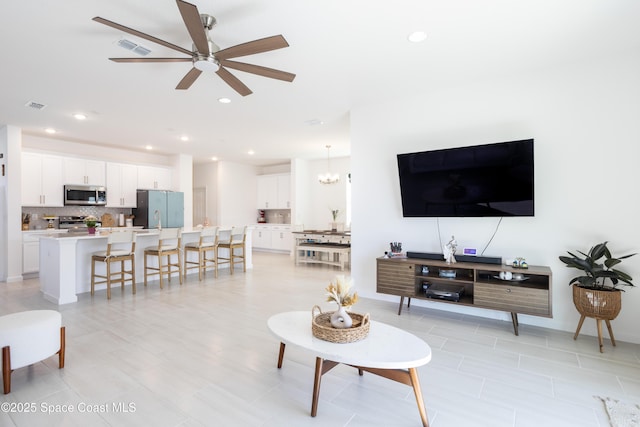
column 490, row 180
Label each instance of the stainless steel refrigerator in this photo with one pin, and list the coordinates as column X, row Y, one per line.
column 159, row 207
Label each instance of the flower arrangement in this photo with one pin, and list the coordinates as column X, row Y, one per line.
column 334, row 213
column 90, row 221
column 339, row 292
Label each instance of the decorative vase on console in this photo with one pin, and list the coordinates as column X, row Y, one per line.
column 91, row 230
column 338, row 292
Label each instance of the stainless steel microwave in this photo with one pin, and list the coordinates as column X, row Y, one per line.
column 87, row 195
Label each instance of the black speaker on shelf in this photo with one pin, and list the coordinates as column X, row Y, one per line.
column 425, row 255
column 460, row 258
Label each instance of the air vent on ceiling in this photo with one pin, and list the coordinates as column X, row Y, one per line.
column 134, row 47
column 35, row 105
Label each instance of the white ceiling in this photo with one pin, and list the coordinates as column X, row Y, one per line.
column 345, row 53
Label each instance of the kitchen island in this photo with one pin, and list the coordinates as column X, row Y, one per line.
column 65, row 260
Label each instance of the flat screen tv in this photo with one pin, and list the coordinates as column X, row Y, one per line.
column 477, row 181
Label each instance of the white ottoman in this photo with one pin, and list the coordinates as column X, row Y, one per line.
column 28, row 337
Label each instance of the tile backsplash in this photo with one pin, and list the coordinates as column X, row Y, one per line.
column 37, row 223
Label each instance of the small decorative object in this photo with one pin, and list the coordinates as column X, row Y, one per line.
column 425, row 285
column 449, row 274
column 449, row 250
column 506, row 275
column 334, row 215
column 322, row 329
column 91, row 222
column 520, row 263
column 425, row 269
column 396, row 248
column 339, row 292
column 340, row 319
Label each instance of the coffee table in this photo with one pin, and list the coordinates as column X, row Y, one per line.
column 386, row 351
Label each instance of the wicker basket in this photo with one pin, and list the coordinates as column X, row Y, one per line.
column 598, row 304
column 321, row 327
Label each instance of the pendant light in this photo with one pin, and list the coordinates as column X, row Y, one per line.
column 328, row 178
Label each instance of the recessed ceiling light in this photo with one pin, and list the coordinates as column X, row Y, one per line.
column 314, row 122
column 184, row 138
column 148, row 147
column 251, row 152
column 80, row 116
column 50, row 130
column 224, row 100
column 214, row 158
column 417, row 36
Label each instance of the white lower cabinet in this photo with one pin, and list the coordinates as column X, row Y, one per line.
column 31, row 249
column 273, row 237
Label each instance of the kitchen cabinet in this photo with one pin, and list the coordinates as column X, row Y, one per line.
column 122, row 183
column 281, row 238
column 284, row 191
column 82, row 171
column 262, row 237
column 274, row 191
column 42, row 183
column 154, row 178
column 272, row 237
column 31, row 249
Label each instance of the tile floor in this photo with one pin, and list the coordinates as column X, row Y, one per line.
column 200, row 354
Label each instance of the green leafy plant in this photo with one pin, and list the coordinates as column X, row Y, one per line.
column 91, row 221
column 596, row 271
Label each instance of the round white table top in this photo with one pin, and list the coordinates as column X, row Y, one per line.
column 385, row 347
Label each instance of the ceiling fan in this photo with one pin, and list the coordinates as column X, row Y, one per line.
column 206, row 55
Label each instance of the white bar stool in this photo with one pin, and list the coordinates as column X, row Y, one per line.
column 207, row 249
column 236, row 247
column 121, row 246
column 169, row 243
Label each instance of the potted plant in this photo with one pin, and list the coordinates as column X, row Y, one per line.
column 596, row 293
column 334, row 215
column 91, row 221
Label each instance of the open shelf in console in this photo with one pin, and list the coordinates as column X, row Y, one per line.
column 450, row 283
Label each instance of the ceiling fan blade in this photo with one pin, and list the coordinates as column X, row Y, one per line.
column 142, row 35
column 233, row 81
column 259, row 70
column 257, row 46
column 191, row 18
column 188, row 79
column 151, row 59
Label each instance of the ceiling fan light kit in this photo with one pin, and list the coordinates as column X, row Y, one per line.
column 205, row 55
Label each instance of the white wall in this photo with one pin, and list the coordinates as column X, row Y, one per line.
column 315, row 201
column 237, row 194
column 206, row 175
column 10, row 205
column 585, row 123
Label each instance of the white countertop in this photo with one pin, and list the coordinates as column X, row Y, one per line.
column 104, row 233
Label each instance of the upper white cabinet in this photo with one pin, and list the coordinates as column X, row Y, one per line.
column 42, row 183
column 122, row 183
column 274, row 191
column 154, row 178
column 82, row 171
column 284, row 191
